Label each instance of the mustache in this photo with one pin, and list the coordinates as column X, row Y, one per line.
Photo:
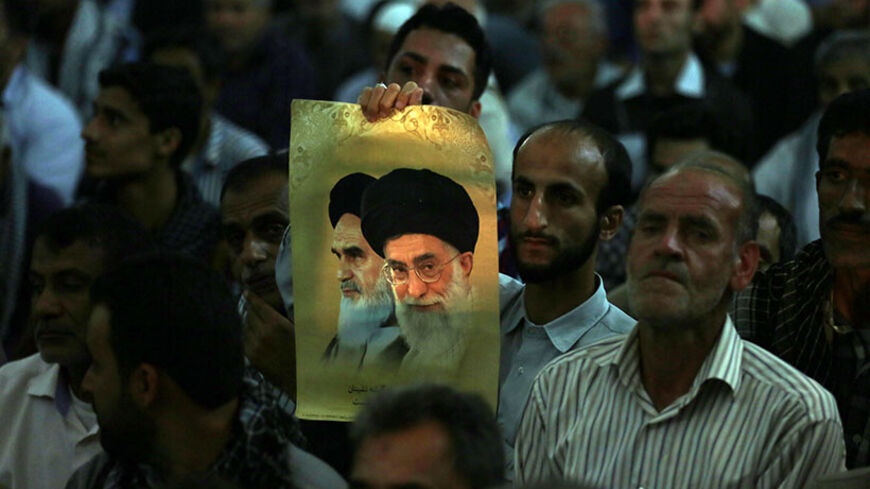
column 350, row 285
column 667, row 266
column 410, row 301
column 552, row 240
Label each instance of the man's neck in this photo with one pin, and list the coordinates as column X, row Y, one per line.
column 671, row 356
column 189, row 441
column 852, row 295
column 73, row 376
column 151, row 198
column 662, row 70
column 548, row 301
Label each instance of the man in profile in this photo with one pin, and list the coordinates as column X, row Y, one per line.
column 425, row 226
column 427, row 436
column 366, row 322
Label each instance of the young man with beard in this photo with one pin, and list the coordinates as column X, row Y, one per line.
column 425, row 226
column 169, row 389
column 48, row 427
column 682, row 401
column 366, row 322
column 570, row 182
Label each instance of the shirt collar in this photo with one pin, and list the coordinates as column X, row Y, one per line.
column 567, row 329
column 690, row 82
column 13, row 89
column 722, row 363
column 50, row 384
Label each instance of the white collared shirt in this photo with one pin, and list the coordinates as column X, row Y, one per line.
column 42, row 441
column 749, row 421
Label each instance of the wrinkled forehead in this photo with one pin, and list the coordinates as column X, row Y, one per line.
column 691, row 191
column 266, row 194
column 409, row 248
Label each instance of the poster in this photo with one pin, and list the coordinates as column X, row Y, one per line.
column 395, row 260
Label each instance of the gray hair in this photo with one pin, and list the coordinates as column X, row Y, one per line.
column 595, row 19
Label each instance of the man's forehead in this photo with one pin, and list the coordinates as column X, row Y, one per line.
column 409, row 247
column 567, row 155
column 348, row 232
column 262, row 195
column 443, row 48
column 691, row 190
column 79, row 256
column 117, row 98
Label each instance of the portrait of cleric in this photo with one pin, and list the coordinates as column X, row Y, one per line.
column 424, row 227
column 367, row 333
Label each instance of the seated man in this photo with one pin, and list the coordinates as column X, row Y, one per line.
column 255, row 213
column 48, row 428
column 425, row 226
column 682, row 401
column 366, row 320
column 220, row 144
column 813, row 311
column 428, row 436
column 169, row 390
column 146, row 118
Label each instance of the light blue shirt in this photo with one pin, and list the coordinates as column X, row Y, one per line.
column 527, row 347
column 44, row 133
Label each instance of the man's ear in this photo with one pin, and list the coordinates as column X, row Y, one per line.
column 745, row 265
column 474, row 109
column 168, row 141
column 466, row 261
column 609, row 222
column 144, row 384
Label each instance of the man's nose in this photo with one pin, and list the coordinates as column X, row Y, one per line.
column 254, row 250
column 535, row 218
column 416, row 287
column 46, row 304
column 854, row 200
column 669, row 243
column 343, row 272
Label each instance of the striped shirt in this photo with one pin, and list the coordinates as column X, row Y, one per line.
column 748, row 421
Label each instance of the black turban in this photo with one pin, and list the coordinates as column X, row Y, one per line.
column 407, row 201
column 346, row 196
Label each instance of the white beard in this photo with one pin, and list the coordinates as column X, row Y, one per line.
column 437, row 340
column 359, row 319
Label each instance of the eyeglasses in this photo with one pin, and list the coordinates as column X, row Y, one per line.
column 428, row 271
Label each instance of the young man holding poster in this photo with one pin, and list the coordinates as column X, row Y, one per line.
column 570, row 181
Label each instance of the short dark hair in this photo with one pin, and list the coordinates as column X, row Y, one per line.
column 686, row 121
column 253, row 168
column 166, row 95
column 787, row 228
column 100, row 226
column 849, row 113
column 475, row 439
column 197, row 41
column 451, row 19
column 179, row 315
column 616, row 159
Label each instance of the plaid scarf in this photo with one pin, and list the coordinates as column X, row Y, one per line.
column 257, row 457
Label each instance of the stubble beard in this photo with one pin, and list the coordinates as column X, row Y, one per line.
column 567, row 260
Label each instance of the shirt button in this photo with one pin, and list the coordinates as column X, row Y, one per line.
column 521, row 370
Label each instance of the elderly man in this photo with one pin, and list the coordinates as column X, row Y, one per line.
column 425, row 226
column 49, row 428
column 813, row 311
column 366, row 323
column 682, row 401
column 427, row 436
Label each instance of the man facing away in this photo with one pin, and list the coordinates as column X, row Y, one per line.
column 682, row 401
column 426, row 436
column 49, row 428
column 169, row 390
column 570, row 181
column 813, row 311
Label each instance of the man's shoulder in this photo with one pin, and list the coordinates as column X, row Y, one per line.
column 801, row 395
column 17, row 375
column 44, row 105
column 590, row 357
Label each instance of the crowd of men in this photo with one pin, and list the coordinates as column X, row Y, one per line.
column 684, row 236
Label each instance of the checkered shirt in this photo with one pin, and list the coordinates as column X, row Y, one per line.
column 784, row 311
